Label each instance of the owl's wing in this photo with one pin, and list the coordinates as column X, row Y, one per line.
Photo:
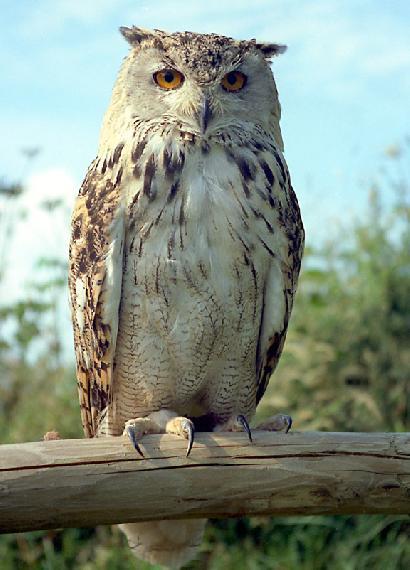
column 95, row 279
column 282, row 278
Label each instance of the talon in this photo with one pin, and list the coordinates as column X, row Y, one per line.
column 244, row 423
column 189, row 429
column 131, row 434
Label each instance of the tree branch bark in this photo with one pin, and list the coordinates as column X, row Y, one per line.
column 68, row 483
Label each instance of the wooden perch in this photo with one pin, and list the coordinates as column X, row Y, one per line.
column 70, row 483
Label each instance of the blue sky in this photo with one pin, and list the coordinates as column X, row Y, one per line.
column 344, row 85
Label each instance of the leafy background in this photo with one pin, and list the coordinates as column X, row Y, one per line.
column 345, row 367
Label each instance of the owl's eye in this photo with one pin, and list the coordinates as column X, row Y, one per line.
column 234, row 81
column 168, row 78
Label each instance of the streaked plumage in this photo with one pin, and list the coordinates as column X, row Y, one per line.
column 186, row 247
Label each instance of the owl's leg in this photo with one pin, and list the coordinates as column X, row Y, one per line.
column 280, row 422
column 163, row 421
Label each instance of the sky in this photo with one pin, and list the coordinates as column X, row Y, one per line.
column 344, row 86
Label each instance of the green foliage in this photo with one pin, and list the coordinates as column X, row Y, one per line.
column 319, row 543
column 347, row 359
column 345, row 367
column 103, row 548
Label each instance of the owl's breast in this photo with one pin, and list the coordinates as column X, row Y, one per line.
column 205, row 215
column 196, row 259
column 198, row 244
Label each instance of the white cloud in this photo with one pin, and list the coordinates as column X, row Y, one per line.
column 37, row 232
column 49, row 184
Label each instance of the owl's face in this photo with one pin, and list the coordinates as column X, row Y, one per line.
column 199, row 83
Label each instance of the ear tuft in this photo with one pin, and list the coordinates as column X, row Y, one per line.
column 134, row 35
column 270, row 50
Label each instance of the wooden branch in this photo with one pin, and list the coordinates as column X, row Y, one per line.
column 69, row 483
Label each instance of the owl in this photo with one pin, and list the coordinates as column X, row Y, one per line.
column 185, row 252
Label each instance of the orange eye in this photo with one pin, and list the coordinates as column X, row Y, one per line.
column 168, row 78
column 234, row 81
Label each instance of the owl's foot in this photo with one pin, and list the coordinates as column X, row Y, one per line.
column 163, row 421
column 280, row 422
column 135, row 429
column 243, row 422
column 236, row 423
column 182, row 426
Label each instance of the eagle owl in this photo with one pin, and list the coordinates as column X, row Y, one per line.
column 185, row 252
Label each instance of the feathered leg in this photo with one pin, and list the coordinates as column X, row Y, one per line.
column 170, row 543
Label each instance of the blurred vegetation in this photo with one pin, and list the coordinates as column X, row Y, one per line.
column 346, row 366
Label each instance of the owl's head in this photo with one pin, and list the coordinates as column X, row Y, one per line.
column 203, row 83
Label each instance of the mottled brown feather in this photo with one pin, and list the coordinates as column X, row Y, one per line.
column 95, row 213
column 290, row 220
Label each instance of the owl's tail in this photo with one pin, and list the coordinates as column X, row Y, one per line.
column 169, row 543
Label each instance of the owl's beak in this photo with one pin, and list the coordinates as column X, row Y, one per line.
column 205, row 114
